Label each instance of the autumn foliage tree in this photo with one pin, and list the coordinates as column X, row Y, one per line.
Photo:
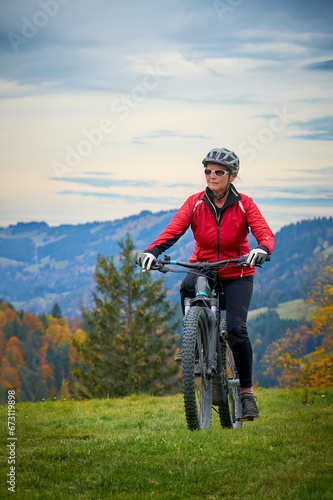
column 290, row 359
column 36, row 354
column 131, row 337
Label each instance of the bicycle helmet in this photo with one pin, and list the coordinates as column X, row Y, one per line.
column 222, row 156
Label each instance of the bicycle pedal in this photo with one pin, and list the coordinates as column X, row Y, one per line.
column 248, row 419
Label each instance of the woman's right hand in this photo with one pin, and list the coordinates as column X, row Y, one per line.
column 145, row 260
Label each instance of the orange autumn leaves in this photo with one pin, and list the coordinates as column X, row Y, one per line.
column 35, row 354
column 290, row 360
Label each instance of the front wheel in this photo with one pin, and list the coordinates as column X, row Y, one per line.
column 197, row 388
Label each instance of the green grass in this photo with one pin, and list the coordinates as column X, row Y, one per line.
column 296, row 309
column 139, row 447
column 255, row 312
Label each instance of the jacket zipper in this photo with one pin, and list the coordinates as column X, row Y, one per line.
column 217, row 220
column 218, row 240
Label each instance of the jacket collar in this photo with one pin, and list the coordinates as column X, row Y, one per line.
column 233, row 196
column 208, row 197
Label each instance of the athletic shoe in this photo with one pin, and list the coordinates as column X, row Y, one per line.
column 249, row 406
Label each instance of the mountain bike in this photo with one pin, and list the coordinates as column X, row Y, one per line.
column 209, row 374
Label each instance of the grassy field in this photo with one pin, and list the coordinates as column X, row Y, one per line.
column 138, row 447
column 293, row 309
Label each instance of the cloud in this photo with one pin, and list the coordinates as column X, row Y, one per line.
column 107, row 183
column 97, row 173
column 218, row 73
column 314, row 177
column 318, row 129
column 318, row 189
column 296, row 202
column 321, row 66
column 323, row 171
column 167, row 134
column 62, row 53
column 156, row 134
column 266, row 117
column 138, row 141
column 126, row 197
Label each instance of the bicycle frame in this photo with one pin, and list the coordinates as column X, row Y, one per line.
column 204, row 297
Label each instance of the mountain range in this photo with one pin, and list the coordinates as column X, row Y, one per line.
column 41, row 265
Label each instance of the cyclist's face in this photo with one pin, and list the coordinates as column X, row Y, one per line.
column 217, row 184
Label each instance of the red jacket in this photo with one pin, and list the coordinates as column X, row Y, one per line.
column 219, row 233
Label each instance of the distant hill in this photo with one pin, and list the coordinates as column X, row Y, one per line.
column 294, row 261
column 41, row 265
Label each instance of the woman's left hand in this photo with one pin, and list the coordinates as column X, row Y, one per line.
column 257, row 256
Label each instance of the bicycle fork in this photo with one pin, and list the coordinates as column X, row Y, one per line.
column 204, row 298
column 213, row 330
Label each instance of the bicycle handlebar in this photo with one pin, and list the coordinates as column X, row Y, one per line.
column 161, row 264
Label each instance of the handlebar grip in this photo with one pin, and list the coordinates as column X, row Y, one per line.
column 267, row 259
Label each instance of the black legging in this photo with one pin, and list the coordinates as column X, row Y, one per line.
column 237, row 293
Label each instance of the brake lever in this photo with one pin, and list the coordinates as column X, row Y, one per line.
column 164, row 269
column 249, row 265
column 159, row 266
column 244, row 263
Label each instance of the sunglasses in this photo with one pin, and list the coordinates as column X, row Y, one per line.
column 218, row 173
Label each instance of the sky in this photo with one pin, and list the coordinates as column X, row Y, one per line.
column 108, row 108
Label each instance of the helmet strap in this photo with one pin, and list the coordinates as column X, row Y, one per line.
column 225, row 191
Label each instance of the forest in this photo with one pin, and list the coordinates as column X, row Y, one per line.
column 125, row 343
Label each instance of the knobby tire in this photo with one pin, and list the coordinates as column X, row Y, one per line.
column 224, row 408
column 229, row 410
column 197, row 388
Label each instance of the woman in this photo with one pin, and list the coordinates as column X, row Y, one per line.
column 220, row 219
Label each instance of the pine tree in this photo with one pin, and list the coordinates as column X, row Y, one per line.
column 44, row 320
column 56, row 311
column 131, row 336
